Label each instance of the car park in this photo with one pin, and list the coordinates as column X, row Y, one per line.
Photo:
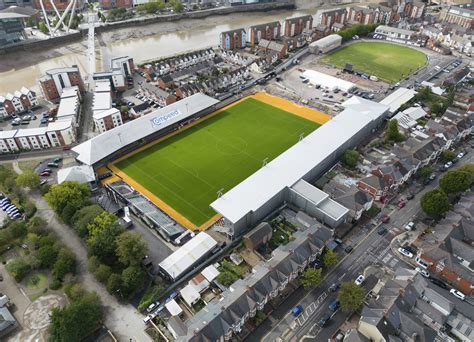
column 298, row 310
column 406, row 253
column 359, row 280
column 423, row 272
column 457, row 294
column 410, row 226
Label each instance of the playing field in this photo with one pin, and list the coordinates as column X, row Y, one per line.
column 389, row 62
column 186, row 170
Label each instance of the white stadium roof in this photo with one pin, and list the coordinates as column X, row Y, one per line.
column 78, row 173
column 185, row 257
column 298, row 160
column 328, row 81
column 99, row 147
column 396, row 99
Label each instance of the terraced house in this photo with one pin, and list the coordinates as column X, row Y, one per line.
column 268, row 31
column 225, row 317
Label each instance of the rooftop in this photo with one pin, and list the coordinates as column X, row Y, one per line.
column 298, row 160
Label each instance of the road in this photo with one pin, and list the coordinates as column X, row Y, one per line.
column 371, row 252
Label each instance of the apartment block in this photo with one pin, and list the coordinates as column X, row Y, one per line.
column 107, row 119
column 268, row 31
column 61, row 5
column 56, row 80
column 8, row 142
column 233, row 40
column 32, row 138
column 61, row 132
column 458, row 15
column 296, row 26
column 70, row 104
column 109, row 4
column 329, row 18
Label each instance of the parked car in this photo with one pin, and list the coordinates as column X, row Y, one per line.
column 460, row 155
column 57, row 160
column 410, row 226
column 359, row 280
column 56, row 165
column 44, row 121
column 45, row 174
column 324, row 320
column 334, row 305
column 334, row 287
column 348, row 249
column 401, row 204
column 385, row 218
column 410, row 196
column 382, row 231
column 151, row 307
column 448, row 165
column 457, row 294
column 423, row 272
column 420, row 262
column 406, row 253
column 298, row 310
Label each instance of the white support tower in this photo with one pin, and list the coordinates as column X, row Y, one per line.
column 69, row 9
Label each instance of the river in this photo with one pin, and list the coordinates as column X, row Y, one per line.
column 140, row 42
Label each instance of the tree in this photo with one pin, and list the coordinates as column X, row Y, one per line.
column 75, row 321
column 177, row 5
column 43, row 28
column 435, row 203
column 114, row 284
column 28, row 179
column 18, row 268
column 447, row 155
column 425, row 172
column 311, row 277
column 103, row 244
column 351, row 296
column 100, row 223
column 132, row 279
column 67, row 194
column 455, row 181
column 329, row 258
column 131, row 248
column 469, row 168
column 102, row 273
column 84, row 217
column 392, row 133
column 17, row 229
column 350, row 158
column 65, row 263
column 47, row 255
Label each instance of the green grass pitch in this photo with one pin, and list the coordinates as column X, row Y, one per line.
column 187, row 169
column 389, row 62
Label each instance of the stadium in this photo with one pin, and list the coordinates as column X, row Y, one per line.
column 184, row 156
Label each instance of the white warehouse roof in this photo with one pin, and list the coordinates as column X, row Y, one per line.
column 99, row 147
column 186, row 256
column 399, row 97
column 328, row 81
column 298, row 160
column 327, row 41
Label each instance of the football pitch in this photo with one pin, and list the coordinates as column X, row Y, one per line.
column 186, row 170
column 389, row 62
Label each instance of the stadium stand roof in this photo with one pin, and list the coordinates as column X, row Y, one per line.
column 186, row 256
column 399, row 97
column 298, row 160
column 99, row 147
column 328, row 81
